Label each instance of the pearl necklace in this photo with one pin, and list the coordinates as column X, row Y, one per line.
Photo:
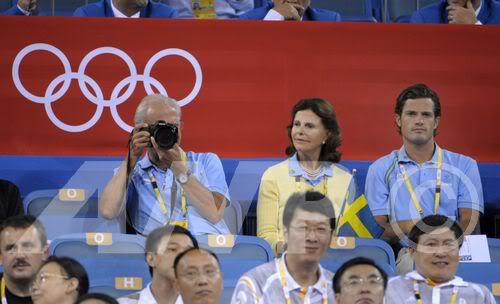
column 313, row 174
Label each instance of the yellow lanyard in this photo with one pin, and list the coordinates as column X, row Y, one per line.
column 437, row 193
column 2, row 290
column 324, row 185
column 418, row 296
column 281, row 270
column 159, row 195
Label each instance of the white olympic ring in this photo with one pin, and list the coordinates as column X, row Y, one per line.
column 98, row 99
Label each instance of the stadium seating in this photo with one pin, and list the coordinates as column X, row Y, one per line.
column 115, row 262
column 69, row 210
column 5, row 5
column 401, row 11
column 350, row 10
column 237, row 254
column 343, row 249
column 233, row 217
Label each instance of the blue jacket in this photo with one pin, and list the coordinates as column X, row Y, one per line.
column 437, row 13
column 13, row 11
column 103, row 9
column 311, row 14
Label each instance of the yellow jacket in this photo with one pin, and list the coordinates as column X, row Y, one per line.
column 277, row 185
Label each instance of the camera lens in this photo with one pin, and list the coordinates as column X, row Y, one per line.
column 165, row 135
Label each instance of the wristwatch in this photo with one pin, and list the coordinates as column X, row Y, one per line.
column 183, row 178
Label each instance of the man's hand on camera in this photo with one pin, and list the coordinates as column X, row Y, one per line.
column 171, row 158
column 140, row 140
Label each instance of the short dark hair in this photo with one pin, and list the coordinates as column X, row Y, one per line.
column 155, row 237
column 73, row 269
column 311, row 201
column 324, row 109
column 25, row 222
column 181, row 255
column 433, row 222
column 97, row 296
column 354, row 262
column 415, row 91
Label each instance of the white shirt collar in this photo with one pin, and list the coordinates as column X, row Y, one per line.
column 146, row 296
column 321, row 285
column 456, row 281
column 479, row 8
column 119, row 14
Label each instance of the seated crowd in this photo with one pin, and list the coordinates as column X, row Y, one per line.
column 423, row 199
column 443, row 11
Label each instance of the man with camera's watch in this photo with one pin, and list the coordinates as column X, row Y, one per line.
column 167, row 185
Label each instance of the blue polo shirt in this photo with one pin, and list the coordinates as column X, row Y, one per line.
column 144, row 209
column 387, row 193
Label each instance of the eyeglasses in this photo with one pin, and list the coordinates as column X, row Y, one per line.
column 358, row 282
column 42, row 278
column 193, row 275
column 320, row 230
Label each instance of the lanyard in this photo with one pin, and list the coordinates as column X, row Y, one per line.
column 2, row 291
column 323, row 184
column 159, row 195
column 437, row 193
column 281, row 269
column 418, row 296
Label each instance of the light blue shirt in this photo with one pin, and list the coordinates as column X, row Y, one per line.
column 387, row 194
column 143, row 206
column 294, row 169
column 225, row 9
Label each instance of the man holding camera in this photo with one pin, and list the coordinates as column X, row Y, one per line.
column 167, row 185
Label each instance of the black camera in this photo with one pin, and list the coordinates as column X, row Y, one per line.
column 165, row 134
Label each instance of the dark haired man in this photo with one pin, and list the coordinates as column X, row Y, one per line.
column 126, row 9
column 459, row 12
column 22, row 8
column 421, row 178
column 162, row 247
column 198, row 277
column 296, row 277
column 167, row 185
column 23, row 249
column 359, row 280
column 434, row 245
column 296, row 10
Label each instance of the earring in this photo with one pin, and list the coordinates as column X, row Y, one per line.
column 324, row 142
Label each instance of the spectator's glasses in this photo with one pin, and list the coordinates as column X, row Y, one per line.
column 43, row 277
column 357, row 282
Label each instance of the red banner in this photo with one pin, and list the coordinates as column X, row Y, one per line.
column 69, row 86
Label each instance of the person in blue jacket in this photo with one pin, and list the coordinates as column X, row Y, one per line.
column 459, row 12
column 22, row 8
column 126, row 8
column 298, row 10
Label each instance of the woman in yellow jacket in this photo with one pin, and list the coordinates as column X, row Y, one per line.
column 314, row 136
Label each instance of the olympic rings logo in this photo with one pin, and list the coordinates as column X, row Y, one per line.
column 98, row 99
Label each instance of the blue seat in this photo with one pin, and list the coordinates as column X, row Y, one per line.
column 233, row 217
column 5, row 5
column 246, row 253
column 494, row 246
column 482, row 273
column 115, row 262
column 350, row 10
column 375, row 249
column 67, row 211
column 399, row 11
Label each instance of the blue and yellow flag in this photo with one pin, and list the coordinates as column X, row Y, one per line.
column 357, row 219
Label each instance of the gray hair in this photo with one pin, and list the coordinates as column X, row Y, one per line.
column 147, row 101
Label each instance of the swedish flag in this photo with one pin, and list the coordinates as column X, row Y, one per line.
column 357, row 220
